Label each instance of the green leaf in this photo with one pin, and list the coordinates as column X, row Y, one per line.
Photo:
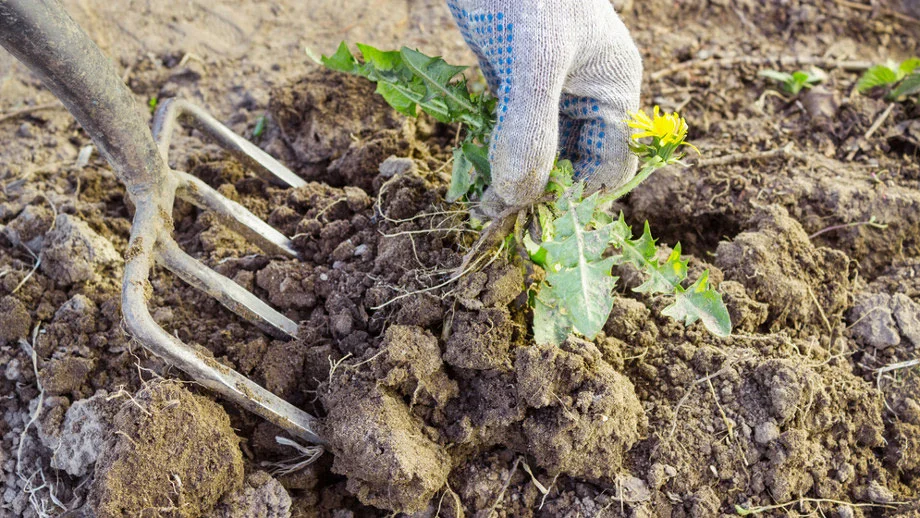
column 699, row 302
column 380, row 60
column 342, row 60
column 561, row 177
column 585, row 292
column 461, row 178
column 879, row 75
column 909, row 86
column 667, row 277
column 578, row 285
column 908, row 66
column 639, row 252
column 436, row 75
column 642, row 252
column 479, row 157
column 550, row 324
column 402, row 99
column 775, row 75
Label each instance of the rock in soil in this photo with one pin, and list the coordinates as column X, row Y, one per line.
column 260, row 497
column 73, row 252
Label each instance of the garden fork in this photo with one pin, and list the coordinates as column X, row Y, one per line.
column 43, row 36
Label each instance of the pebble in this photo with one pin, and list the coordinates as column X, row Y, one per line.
column 766, row 432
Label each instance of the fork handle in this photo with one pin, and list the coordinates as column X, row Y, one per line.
column 45, row 38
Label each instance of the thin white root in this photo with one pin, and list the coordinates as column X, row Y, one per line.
column 306, row 455
column 42, row 506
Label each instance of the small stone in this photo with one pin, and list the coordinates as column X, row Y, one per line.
column 873, row 323
column 72, row 252
column 356, row 198
column 879, row 493
column 345, row 251
column 394, row 165
column 261, row 496
column 907, row 314
column 25, row 130
column 85, row 430
column 765, row 432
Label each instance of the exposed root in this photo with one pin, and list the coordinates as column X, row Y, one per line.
column 743, row 511
column 42, row 506
column 453, row 278
column 38, row 262
column 501, row 493
column 306, row 455
column 871, row 222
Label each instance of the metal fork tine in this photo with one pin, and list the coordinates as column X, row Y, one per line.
column 234, row 215
column 233, row 296
column 173, row 111
column 204, row 369
column 44, row 37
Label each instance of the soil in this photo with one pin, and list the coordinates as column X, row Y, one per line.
column 433, row 396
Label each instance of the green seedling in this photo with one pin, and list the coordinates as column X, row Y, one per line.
column 795, row 82
column 900, row 80
column 579, row 243
column 260, row 127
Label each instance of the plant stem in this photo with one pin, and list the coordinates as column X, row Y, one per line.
column 872, row 223
column 644, row 173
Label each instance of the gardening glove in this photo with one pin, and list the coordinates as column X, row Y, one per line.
column 565, row 72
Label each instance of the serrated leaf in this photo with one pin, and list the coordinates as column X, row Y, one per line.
column 638, row 252
column 461, row 178
column 585, row 292
column 909, row 86
column 664, row 278
column 699, row 302
column 579, row 285
column 550, row 324
column 436, row 75
column 342, row 60
column 879, row 75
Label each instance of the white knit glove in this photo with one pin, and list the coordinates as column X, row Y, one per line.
column 565, row 72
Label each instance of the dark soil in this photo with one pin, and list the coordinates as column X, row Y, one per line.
column 433, row 396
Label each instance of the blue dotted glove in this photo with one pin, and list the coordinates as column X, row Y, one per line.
column 565, row 72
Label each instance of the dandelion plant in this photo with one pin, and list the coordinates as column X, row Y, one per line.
column 578, row 243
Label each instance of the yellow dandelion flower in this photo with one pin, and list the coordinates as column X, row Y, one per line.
column 668, row 130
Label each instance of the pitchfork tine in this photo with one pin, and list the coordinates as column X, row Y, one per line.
column 234, row 215
column 172, row 111
column 42, row 35
column 230, row 294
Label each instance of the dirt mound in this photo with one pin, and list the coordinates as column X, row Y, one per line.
column 170, row 452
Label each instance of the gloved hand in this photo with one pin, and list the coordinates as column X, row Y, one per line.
column 565, row 72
